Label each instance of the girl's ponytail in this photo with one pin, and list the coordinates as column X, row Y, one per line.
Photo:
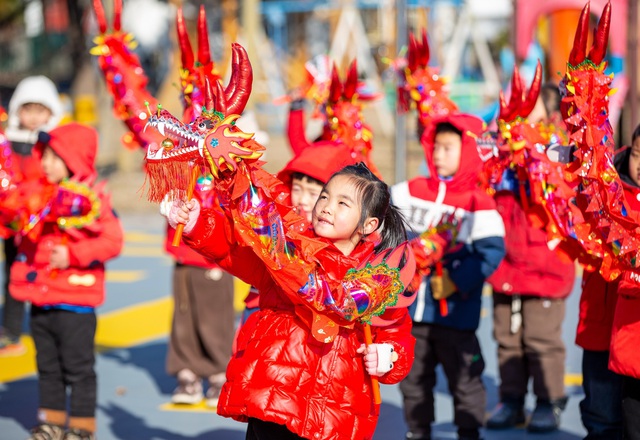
column 394, row 231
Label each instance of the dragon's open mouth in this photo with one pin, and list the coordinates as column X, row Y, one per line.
column 180, row 139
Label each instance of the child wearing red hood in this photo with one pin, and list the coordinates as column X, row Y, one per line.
column 446, row 313
column 61, row 272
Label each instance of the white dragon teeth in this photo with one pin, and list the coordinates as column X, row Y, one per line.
column 160, row 128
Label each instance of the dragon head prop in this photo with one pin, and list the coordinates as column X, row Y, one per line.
column 211, row 140
column 422, row 83
column 344, row 120
column 516, row 133
column 194, row 73
column 609, row 230
column 585, row 86
column 124, row 76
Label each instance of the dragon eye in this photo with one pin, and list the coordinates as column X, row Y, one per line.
column 205, row 125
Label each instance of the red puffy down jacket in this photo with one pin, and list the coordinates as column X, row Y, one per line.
column 280, row 373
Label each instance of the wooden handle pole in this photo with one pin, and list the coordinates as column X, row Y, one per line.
column 195, row 173
column 368, row 339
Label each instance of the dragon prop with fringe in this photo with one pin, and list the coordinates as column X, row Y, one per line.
column 257, row 209
column 610, row 231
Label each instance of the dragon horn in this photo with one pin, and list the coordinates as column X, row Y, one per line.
column 503, row 106
column 424, row 50
column 601, row 36
column 117, row 15
column 239, row 88
column 100, row 17
column 351, row 83
column 209, row 95
column 412, row 53
column 335, row 90
column 235, row 62
column 530, row 102
column 204, row 55
column 579, row 49
column 220, row 101
column 185, row 45
column 515, row 101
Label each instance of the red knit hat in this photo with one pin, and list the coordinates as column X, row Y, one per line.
column 319, row 161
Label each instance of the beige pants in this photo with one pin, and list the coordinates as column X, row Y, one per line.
column 529, row 346
column 203, row 321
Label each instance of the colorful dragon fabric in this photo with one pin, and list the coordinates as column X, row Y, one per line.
column 608, row 230
column 257, row 206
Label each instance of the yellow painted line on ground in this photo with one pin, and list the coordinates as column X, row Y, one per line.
column 240, row 290
column 125, row 276
column 573, row 380
column 143, row 237
column 18, row 367
column 141, row 251
column 134, row 325
column 119, row 329
column 199, row 407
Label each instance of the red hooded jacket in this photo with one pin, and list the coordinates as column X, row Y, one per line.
column 429, row 201
column 82, row 283
column 529, row 266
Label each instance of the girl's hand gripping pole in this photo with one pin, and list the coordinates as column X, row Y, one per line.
column 195, row 173
column 375, row 386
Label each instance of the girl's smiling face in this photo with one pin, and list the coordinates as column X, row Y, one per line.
column 337, row 214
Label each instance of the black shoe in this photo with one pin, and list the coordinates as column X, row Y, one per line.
column 469, row 434
column 506, row 415
column 546, row 416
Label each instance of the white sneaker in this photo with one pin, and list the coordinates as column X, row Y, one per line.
column 188, row 393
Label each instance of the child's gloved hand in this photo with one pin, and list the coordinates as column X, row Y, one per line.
column 184, row 213
column 441, row 286
column 378, row 358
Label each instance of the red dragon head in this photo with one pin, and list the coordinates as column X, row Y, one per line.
column 423, row 84
column 211, row 140
column 586, row 88
column 516, row 132
column 344, row 120
column 194, row 73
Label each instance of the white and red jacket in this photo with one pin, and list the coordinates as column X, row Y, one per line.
column 479, row 245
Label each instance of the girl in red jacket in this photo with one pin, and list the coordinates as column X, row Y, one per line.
column 302, row 369
column 61, row 271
